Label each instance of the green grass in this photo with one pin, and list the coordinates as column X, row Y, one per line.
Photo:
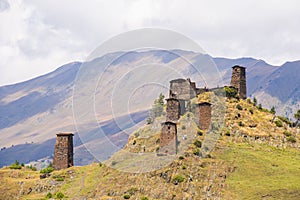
column 263, row 171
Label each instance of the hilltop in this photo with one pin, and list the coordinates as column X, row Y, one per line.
column 256, row 156
column 32, row 112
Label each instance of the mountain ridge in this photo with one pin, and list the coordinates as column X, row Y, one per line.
column 40, row 121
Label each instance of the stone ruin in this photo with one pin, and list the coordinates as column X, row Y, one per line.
column 238, row 80
column 168, row 139
column 178, row 103
column 203, row 115
column 63, row 151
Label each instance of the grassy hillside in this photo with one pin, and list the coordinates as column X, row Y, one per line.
column 256, row 157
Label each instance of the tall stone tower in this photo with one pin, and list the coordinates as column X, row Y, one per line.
column 238, row 80
column 63, row 151
column 168, row 139
column 173, row 110
column 203, row 114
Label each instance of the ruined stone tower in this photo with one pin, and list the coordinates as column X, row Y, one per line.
column 173, row 110
column 183, row 90
column 238, row 80
column 203, row 114
column 168, row 139
column 63, row 151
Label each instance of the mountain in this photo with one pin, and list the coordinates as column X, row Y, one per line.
column 90, row 99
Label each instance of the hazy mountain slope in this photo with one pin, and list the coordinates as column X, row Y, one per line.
column 35, row 110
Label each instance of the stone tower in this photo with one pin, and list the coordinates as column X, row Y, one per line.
column 238, row 80
column 203, row 115
column 173, row 110
column 168, row 139
column 63, row 151
column 182, row 89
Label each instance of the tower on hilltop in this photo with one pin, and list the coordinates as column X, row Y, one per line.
column 63, row 151
column 238, row 80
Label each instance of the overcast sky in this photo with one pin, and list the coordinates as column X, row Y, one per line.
column 38, row 36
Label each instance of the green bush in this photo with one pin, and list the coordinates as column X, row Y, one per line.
column 278, row 123
column 183, row 167
column 60, row 195
column 287, row 133
column 259, row 106
column 198, row 143
column 15, row 165
column 249, row 101
column 126, row 196
column 181, row 158
column 31, row 167
column 199, row 132
column 251, row 111
column 227, row 133
column 285, row 120
column 178, row 179
column 47, row 170
column 291, row 139
column 144, row 198
column 183, row 127
column 196, row 152
column 60, row 179
column 241, row 123
column 239, row 107
column 49, row 195
column 231, row 92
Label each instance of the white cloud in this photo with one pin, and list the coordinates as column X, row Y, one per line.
column 38, row 36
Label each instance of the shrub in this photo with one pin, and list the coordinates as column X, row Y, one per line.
column 181, row 158
column 126, row 196
column 254, row 101
column 199, row 132
column 287, row 133
column 249, row 101
column 227, row 133
column 47, row 170
column 60, row 195
column 15, row 165
column 241, row 123
column 291, row 139
column 144, row 198
column 31, row 167
column 260, row 106
column 183, row 127
column 196, row 152
column 49, row 195
column 134, row 142
column 278, row 123
column 183, row 167
column 60, row 179
column 198, row 143
column 231, row 92
column 251, row 111
column 273, row 111
column 239, row 107
column 285, row 120
column 178, row 179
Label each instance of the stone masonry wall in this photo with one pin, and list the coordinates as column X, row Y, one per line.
column 63, row 151
column 203, row 114
column 238, row 80
column 168, row 139
column 173, row 110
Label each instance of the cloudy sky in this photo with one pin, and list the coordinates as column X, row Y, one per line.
column 38, row 36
